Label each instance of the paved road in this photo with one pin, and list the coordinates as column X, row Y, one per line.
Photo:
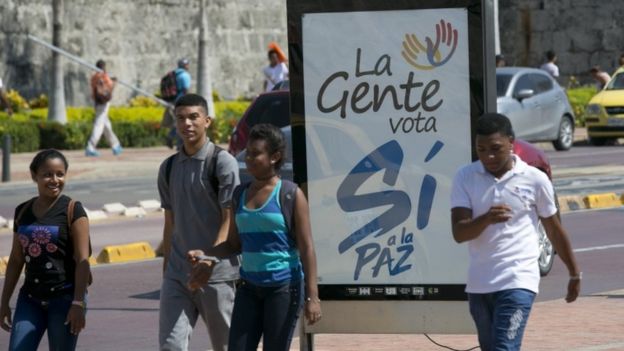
column 129, row 292
column 583, row 169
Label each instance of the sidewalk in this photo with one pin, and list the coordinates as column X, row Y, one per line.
column 591, row 323
column 135, row 162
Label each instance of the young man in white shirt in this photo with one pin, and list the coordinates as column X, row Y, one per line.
column 496, row 203
column 275, row 72
column 550, row 66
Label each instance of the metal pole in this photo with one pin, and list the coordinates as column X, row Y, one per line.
column 6, row 158
column 306, row 340
column 93, row 67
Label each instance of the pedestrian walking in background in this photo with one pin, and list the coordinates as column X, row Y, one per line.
column 550, row 64
column 102, row 86
column 5, row 101
column 51, row 239
column 195, row 186
column 173, row 85
column 496, row 205
column 275, row 72
column 271, row 228
column 601, row 77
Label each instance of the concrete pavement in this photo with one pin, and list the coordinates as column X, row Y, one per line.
column 590, row 324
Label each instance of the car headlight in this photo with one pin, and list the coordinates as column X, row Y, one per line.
column 593, row 109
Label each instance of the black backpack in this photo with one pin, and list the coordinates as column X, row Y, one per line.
column 211, row 169
column 169, row 86
column 287, row 195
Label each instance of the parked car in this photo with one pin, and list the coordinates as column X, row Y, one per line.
column 526, row 151
column 283, row 85
column 604, row 115
column 537, row 106
column 270, row 107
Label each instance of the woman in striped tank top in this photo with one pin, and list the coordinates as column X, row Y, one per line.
column 278, row 270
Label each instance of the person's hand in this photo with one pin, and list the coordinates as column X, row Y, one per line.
column 499, row 214
column 574, row 289
column 200, row 274
column 313, row 310
column 75, row 319
column 5, row 318
column 193, row 256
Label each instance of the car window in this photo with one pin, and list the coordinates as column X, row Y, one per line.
column 617, row 82
column 502, row 83
column 524, row 82
column 541, row 83
column 272, row 109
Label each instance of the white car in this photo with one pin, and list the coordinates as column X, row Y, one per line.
column 537, row 106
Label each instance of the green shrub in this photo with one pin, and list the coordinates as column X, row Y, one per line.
column 140, row 134
column 65, row 137
column 143, row 101
column 134, row 126
column 24, row 135
column 228, row 113
column 579, row 97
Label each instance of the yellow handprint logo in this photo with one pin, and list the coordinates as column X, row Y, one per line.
column 435, row 53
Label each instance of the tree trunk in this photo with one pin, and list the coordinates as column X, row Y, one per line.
column 204, row 81
column 56, row 108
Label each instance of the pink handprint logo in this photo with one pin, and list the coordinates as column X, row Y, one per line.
column 437, row 53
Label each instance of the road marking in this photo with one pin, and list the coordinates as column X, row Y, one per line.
column 598, row 248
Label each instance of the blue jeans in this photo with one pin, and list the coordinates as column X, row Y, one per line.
column 33, row 317
column 267, row 312
column 500, row 318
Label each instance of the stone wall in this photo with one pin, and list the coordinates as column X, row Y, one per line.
column 583, row 33
column 140, row 40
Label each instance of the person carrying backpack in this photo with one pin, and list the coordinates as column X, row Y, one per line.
column 271, row 228
column 195, row 187
column 102, row 86
column 173, row 85
column 51, row 241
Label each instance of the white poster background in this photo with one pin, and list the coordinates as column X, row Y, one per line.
column 335, row 145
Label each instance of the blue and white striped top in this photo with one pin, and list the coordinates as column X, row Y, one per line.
column 269, row 253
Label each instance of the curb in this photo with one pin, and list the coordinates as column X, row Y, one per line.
column 110, row 254
column 570, row 203
column 126, row 253
column 110, row 210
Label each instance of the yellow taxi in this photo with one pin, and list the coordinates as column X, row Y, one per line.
column 604, row 115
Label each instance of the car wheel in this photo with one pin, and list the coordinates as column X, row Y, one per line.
column 566, row 135
column 547, row 253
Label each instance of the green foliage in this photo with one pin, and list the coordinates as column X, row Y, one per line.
column 143, row 101
column 67, row 137
column 140, row 134
column 228, row 113
column 134, row 126
column 24, row 135
column 136, row 114
column 39, row 102
column 18, row 103
column 579, row 97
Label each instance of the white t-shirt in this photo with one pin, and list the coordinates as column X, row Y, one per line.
column 505, row 255
column 1, row 86
column 274, row 75
column 551, row 68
